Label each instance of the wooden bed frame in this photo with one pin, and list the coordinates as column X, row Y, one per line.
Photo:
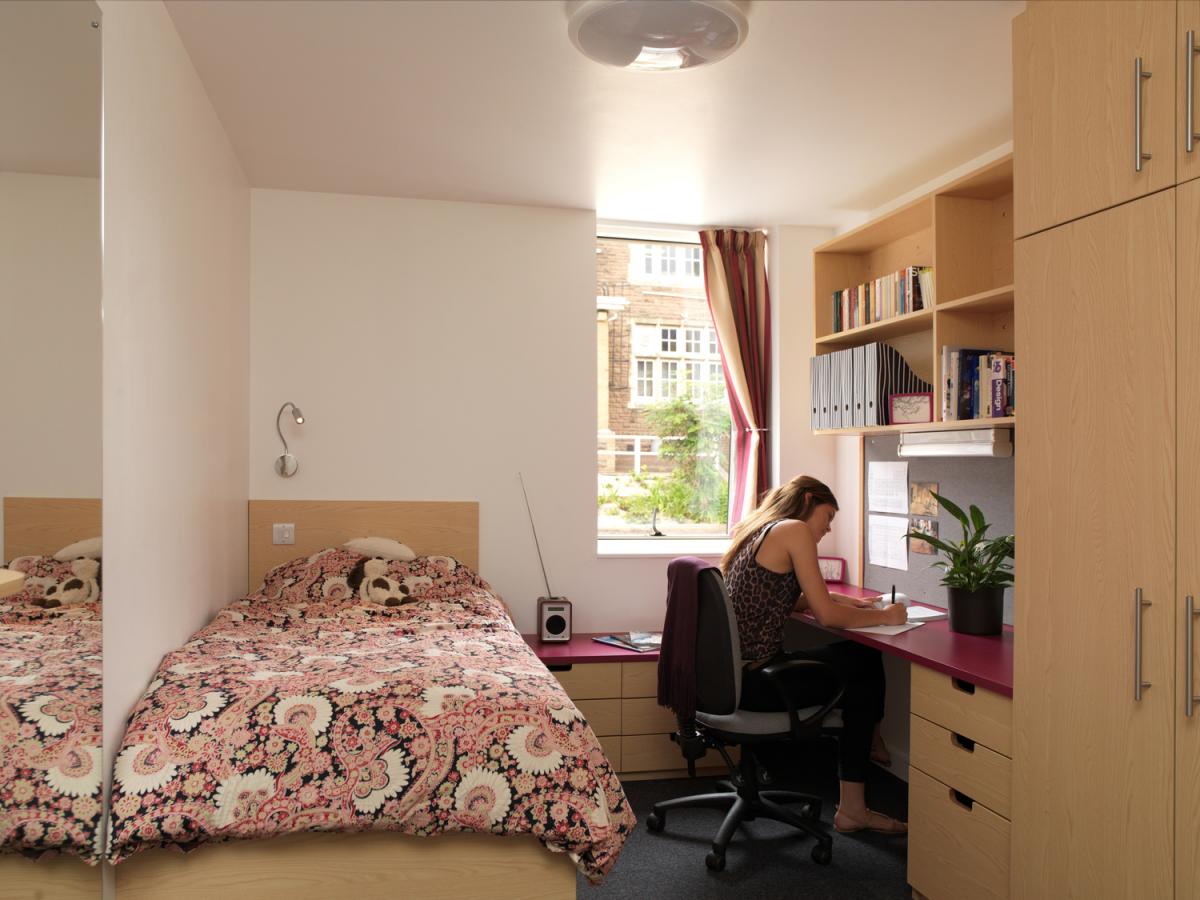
column 42, row 526
column 370, row 865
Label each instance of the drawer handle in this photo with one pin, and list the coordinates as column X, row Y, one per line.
column 962, row 742
column 965, row 686
column 560, row 667
column 961, row 799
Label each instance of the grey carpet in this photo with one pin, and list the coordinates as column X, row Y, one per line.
column 766, row 860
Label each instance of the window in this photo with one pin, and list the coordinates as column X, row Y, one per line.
column 670, row 340
column 670, row 380
column 645, row 379
column 663, row 433
column 666, row 265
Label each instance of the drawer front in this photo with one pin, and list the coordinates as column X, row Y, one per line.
column 954, row 852
column 982, row 774
column 643, row 715
column 603, row 715
column 639, row 680
column 612, row 749
column 587, row 680
column 650, row 753
column 974, row 712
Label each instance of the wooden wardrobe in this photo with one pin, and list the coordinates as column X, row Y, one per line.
column 1106, row 758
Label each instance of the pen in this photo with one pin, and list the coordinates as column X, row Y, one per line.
column 893, row 595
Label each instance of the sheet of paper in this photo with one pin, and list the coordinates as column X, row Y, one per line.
column 886, row 544
column 887, row 487
column 887, row 629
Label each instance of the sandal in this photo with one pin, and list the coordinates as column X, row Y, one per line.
column 892, row 826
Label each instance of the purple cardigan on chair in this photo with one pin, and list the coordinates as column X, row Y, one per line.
column 677, row 658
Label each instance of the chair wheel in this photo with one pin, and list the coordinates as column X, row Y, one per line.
column 811, row 811
column 821, row 855
column 715, row 861
column 655, row 822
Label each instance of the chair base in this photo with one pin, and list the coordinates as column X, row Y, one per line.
column 745, row 803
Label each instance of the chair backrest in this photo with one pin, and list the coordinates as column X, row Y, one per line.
column 718, row 648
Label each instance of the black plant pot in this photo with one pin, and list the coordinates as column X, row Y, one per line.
column 976, row 612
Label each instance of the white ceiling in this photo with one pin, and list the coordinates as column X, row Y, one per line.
column 828, row 108
column 49, row 87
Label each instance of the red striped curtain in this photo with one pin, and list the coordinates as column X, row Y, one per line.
column 735, row 279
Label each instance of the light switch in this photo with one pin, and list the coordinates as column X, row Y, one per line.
column 283, row 533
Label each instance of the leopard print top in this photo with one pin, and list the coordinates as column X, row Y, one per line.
column 762, row 600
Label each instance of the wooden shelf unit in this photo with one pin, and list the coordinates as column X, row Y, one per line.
column 964, row 230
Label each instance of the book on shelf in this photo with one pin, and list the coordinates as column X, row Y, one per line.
column 977, row 384
column 641, row 641
column 886, row 297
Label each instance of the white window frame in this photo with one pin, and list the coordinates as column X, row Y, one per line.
column 625, row 547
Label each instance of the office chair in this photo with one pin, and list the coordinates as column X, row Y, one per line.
column 719, row 724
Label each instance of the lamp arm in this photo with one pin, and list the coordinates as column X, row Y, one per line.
column 279, row 428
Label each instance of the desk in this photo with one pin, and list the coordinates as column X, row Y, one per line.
column 960, row 754
column 617, row 692
column 983, row 661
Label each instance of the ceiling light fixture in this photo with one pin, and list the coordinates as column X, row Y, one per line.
column 656, row 35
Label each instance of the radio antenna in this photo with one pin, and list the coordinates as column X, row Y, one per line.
column 549, row 593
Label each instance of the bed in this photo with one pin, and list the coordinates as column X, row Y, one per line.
column 50, row 696
column 351, row 732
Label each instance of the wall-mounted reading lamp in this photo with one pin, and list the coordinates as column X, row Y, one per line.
column 286, row 465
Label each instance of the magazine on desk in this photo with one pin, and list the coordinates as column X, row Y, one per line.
column 641, row 641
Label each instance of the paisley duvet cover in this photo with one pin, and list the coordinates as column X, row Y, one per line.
column 50, row 728
column 308, row 706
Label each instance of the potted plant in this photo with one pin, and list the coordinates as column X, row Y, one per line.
column 975, row 571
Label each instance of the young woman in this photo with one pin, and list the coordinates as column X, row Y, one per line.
column 770, row 571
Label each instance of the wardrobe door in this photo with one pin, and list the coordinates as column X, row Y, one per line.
column 1187, row 91
column 1075, row 95
column 1187, row 732
column 1093, row 767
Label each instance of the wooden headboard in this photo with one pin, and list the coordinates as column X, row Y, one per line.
column 42, row 526
column 430, row 527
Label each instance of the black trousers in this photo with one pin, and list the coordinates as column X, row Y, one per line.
column 861, row 670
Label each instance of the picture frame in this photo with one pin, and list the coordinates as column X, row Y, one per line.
column 904, row 409
column 833, row 568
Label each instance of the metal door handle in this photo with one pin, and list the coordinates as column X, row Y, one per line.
column 1189, row 641
column 1138, row 605
column 1139, row 75
column 1190, row 135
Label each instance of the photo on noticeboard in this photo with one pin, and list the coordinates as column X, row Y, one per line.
column 921, row 501
column 924, row 526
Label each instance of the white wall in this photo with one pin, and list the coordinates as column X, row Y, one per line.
column 437, row 348
column 797, row 450
column 176, row 308
column 50, row 315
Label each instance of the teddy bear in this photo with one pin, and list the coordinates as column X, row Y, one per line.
column 83, row 587
column 370, row 580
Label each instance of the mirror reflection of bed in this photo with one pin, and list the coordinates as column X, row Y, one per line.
column 371, row 864
column 50, row 667
column 50, row 699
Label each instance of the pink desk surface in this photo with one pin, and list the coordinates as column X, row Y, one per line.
column 582, row 649
column 985, row 661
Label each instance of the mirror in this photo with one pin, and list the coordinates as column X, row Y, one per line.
column 50, row 374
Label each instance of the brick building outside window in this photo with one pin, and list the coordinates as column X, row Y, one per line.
column 661, row 401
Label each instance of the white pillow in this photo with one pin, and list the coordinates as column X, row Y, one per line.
column 89, row 548
column 381, row 546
